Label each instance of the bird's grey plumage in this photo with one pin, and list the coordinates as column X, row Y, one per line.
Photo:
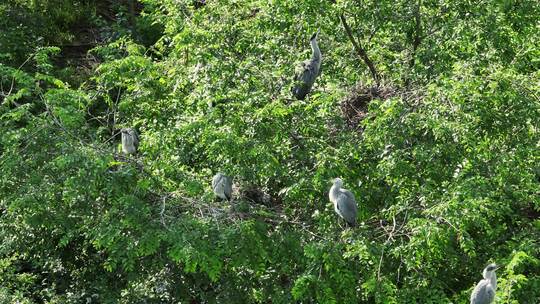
column 344, row 202
column 222, row 186
column 484, row 292
column 130, row 141
column 307, row 71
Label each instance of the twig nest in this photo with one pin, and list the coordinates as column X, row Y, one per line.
column 354, row 107
column 257, row 196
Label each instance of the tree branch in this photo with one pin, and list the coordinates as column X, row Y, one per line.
column 361, row 51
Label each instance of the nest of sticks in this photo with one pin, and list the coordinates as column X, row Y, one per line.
column 354, row 107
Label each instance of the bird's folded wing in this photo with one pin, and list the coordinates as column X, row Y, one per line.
column 349, row 195
column 215, row 181
column 482, row 293
column 300, row 70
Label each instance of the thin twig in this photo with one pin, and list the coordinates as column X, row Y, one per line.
column 162, row 212
column 380, row 263
column 13, row 80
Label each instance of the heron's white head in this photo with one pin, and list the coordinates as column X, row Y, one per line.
column 489, row 271
column 338, row 182
column 124, row 130
column 315, row 35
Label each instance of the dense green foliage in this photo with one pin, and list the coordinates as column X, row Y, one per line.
column 444, row 160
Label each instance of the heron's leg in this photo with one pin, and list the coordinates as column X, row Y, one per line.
column 339, row 222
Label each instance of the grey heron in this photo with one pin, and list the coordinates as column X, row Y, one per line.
column 484, row 292
column 222, row 186
column 307, row 72
column 344, row 202
column 130, row 141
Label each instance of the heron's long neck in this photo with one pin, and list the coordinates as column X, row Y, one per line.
column 493, row 280
column 316, row 51
column 334, row 191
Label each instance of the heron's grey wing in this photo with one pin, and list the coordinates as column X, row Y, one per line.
column 490, row 294
column 309, row 72
column 347, row 206
column 299, row 71
column 349, row 194
column 135, row 139
column 305, row 77
column 216, row 180
column 228, row 187
column 483, row 293
column 350, row 199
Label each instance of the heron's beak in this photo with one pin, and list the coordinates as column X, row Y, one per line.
column 314, row 36
column 497, row 267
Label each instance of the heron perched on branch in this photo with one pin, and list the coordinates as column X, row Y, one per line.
column 222, row 186
column 307, row 72
column 344, row 202
column 484, row 292
column 130, row 141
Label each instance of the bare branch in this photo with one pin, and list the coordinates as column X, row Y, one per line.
column 361, row 51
